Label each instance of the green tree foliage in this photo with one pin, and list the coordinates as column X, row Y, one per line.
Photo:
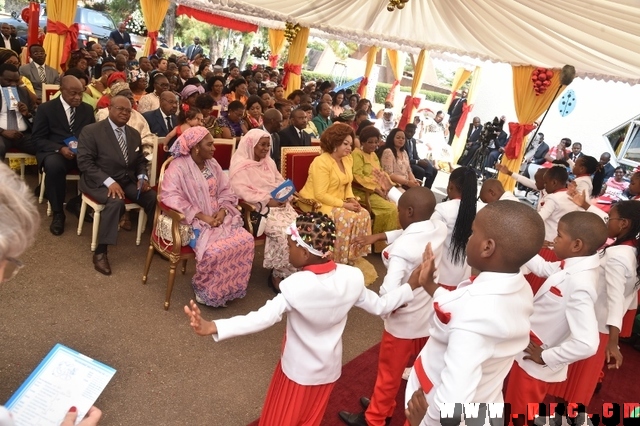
column 119, row 10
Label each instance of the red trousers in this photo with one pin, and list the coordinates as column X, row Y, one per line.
column 291, row 404
column 394, row 356
column 523, row 389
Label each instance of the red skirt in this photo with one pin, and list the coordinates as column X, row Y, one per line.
column 535, row 281
column 582, row 377
column 291, row 404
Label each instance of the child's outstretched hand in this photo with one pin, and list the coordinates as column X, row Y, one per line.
column 202, row 328
column 422, row 276
column 367, row 240
column 416, row 408
column 578, row 198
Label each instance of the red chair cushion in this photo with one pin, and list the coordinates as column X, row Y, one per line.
column 298, row 167
column 222, row 154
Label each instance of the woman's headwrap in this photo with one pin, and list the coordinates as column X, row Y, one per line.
column 190, row 90
column 115, row 77
column 190, row 138
column 119, row 87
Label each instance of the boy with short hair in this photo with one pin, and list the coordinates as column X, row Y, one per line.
column 406, row 330
column 564, row 328
column 478, row 329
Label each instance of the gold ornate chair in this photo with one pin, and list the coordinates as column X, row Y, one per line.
column 174, row 252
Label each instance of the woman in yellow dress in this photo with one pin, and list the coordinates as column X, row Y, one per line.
column 329, row 182
column 365, row 161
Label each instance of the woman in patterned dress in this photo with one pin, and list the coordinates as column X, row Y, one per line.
column 329, row 182
column 195, row 185
column 254, row 176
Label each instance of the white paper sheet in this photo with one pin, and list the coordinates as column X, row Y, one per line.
column 64, row 379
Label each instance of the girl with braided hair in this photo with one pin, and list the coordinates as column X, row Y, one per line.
column 584, row 168
column 458, row 214
column 316, row 300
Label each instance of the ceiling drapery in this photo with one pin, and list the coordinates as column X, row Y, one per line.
column 599, row 37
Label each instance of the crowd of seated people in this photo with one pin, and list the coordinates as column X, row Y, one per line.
column 169, row 95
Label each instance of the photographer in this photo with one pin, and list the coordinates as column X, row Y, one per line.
column 496, row 146
column 473, row 142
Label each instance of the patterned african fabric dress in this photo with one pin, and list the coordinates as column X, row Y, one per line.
column 224, row 254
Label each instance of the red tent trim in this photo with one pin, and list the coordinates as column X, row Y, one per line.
column 220, row 21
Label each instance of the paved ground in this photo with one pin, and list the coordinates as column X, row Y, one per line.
column 166, row 375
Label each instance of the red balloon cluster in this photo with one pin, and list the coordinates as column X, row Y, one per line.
column 541, row 79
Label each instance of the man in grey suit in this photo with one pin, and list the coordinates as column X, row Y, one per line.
column 113, row 168
column 37, row 72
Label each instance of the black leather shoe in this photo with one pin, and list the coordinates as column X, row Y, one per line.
column 57, row 224
column 74, row 209
column 353, row 419
column 101, row 263
column 364, row 402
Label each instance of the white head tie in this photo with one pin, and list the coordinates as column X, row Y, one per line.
column 295, row 236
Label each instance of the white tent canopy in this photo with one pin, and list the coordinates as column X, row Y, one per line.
column 600, row 38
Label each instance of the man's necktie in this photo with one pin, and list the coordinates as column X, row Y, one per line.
column 169, row 125
column 43, row 75
column 12, row 120
column 123, row 144
column 72, row 118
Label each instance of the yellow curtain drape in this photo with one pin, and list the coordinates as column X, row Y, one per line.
column 410, row 104
column 371, row 60
column 528, row 108
column 153, row 12
column 462, row 74
column 58, row 11
column 457, row 146
column 297, row 52
column 276, row 44
column 396, row 62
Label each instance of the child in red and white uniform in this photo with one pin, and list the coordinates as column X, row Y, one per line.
column 555, row 205
column 617, row 298
column 405, row 330
column 458, row 214
column 316, row 301
column 564, row 328
column 480, row 327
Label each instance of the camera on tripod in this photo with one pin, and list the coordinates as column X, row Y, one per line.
column 490, row 132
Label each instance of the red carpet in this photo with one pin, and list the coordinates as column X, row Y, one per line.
column 359, row 375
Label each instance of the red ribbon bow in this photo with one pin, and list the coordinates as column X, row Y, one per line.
column 363, row 84
column 153, row 35
column 71, row 39
column 466, row 109
column 443, row 316
column 273, row 60
column 409, row 105
column 518, row 132
column 288, row 69
column 392, row 91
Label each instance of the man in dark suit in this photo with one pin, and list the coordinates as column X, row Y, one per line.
column 473, row 142
column 38, row 72
column 576, row 151
column 113, row 168
column 609, row 170
column 271, row 123
column 162, row 120
column 194, row 49
column 120, row 36
column 7, row 41
column 455, row 112
column 56, row 121
column 422, row 169
column 15, row 121
column 294, row 135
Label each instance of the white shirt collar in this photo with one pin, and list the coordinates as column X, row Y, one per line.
column 65, row 105
column 114, row 127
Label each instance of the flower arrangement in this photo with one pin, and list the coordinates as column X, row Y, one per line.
column 260, row 53
column 135, row 23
